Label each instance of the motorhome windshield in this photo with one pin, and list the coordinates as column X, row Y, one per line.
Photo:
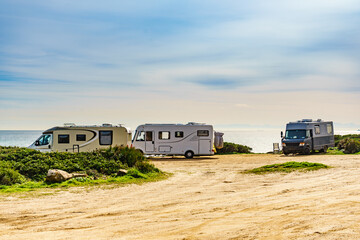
column 295, row 134
column 44, row 140
column 133, row 137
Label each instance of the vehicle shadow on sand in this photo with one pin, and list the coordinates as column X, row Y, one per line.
column 181, row 159
column 303, row 155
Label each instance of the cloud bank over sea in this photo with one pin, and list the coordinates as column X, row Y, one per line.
column 227, row 63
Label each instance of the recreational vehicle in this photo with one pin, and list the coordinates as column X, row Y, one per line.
column 192, row 139
column 72, row 138
column 307, row 136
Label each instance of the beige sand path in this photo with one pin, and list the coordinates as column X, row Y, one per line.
column 206, row 198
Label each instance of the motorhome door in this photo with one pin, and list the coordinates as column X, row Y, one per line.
column 149, row 141
column 205, row 146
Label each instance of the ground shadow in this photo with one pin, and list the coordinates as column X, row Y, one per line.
column 180, row 159
column 303, row 155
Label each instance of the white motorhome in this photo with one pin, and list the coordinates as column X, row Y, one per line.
column 72, row 138
column 192, row 139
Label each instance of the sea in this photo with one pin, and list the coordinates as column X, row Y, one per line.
column 261, row 141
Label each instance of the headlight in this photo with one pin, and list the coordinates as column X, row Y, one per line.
column 284, row 144
column 302, row 144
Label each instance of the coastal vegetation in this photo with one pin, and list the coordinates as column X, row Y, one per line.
column 338, row 138
column 233, row 148
column 287, row 167
column 348, row 144
column 27, row 169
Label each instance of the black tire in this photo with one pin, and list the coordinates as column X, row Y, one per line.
column 307, row 151
column 189, row 154
column 325, row 149
column 286, row 153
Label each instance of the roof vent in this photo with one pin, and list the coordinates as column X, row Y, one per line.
column 107, row 125
column 195, row 123
column 306, row 120
column 69, row 125
column 319, row 120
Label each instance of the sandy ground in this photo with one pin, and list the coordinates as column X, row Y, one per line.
column 206, row 198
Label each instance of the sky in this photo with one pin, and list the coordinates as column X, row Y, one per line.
column 234, row 64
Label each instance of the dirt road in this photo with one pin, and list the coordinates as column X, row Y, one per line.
column 206, row 198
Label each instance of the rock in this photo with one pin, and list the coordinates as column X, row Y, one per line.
column 75, row 175
column 56, row 175
column 122, row 172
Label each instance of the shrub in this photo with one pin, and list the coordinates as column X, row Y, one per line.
column 135, row 173
column 234, row 148
column 338, row 138
column 146, row 167
column 9, row 177
column 349, row 145
column 34, row 164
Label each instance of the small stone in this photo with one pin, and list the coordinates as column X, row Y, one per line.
column 75, row 175
column 122, row 172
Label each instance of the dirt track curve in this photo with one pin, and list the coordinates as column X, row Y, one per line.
column 206, row 198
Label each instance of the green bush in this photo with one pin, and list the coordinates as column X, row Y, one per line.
column 233, row 148
column 349, row 145
column 146, row 167
column 135, row 173
column 338, row 138
column 35, row 165
column 9, row 177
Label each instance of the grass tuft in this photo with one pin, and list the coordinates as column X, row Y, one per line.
column 139, row 178
column 287, row 167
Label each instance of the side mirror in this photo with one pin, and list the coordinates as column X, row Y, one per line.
column 282, row 134
column 37, row 143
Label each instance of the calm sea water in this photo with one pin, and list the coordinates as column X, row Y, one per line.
column 20, row 138
column 261, row 141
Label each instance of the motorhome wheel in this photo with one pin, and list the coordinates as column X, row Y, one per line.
column 325, row 149
column 307, row 151
column 189, row 154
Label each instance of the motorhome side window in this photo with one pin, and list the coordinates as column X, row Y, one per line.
column 317, row 129
column 105, row 137
column 63, row 138
column 140, row 136
column 203, row 133
column 164, row 135
column 329, row 128
column 179, row 134
column 80, row 137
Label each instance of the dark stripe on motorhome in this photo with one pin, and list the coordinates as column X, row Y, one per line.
column 51, row 131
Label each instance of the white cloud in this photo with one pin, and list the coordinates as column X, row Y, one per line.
column 277, row 58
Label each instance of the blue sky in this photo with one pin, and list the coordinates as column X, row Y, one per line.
column 228, row 63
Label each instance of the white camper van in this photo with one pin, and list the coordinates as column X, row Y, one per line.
column 192, row 139
column 72, row 138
